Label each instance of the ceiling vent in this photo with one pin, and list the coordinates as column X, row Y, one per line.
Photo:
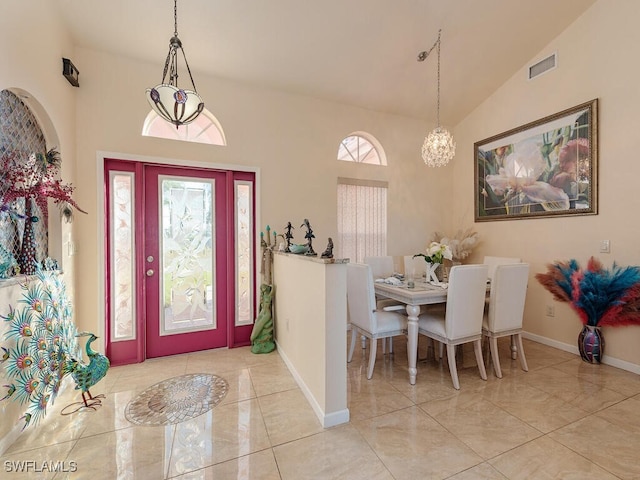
column 543, row 66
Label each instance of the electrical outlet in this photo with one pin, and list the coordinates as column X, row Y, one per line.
column 550, row 311
column 605, row 246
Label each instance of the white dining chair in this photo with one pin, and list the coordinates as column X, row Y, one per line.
column 365, row 318
column 382, row 267
column 506, row 308
column 461, row 320
column 493, row 262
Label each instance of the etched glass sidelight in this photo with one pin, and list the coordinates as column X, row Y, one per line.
column 244, row 252
column 187, row 260
column 122, row 256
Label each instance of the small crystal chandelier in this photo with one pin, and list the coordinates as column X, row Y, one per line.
column 438, row 148
column 174, row 104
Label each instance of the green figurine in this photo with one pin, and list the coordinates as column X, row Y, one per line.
column 262, row 334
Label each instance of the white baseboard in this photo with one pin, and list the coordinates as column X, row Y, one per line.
column 606, row 359
column 326, row 419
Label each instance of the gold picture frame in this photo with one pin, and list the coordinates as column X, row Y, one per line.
column 545, row 168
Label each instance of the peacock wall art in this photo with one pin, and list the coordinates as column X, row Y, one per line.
column 41, row 347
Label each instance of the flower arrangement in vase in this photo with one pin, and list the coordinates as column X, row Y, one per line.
column 461, row 244
column 436, row 253
column 36, row 179
column 601, row 297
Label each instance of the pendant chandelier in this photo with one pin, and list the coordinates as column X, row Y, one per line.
column 174, row 104
column 438, row 148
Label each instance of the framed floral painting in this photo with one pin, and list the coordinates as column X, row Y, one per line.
column 544, row 168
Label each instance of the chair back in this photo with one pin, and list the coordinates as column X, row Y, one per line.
column 465, row 301
column 493, row 262
column 381, row 267
column 508, row 292
column 417, row 265
column 361, row 300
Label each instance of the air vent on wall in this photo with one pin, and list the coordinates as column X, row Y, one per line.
column 543, row 66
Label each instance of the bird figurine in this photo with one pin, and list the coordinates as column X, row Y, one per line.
column 309, row 236
column 87, row 375
column 42, row 348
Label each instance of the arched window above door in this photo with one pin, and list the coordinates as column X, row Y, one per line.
column 204, row 129
column 360, row 147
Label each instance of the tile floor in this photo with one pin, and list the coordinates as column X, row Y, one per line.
column 562, row 419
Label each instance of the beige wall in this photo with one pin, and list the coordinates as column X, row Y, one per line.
column 595, row 60
column 34, row 44
column 31, row 68
column 292, row 139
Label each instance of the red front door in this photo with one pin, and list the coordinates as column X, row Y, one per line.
column 185, row 260
column 179, row 261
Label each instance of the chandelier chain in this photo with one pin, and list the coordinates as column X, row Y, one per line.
column 438, row 104
column 422, row 56
column 175, row 18
column 176, row 105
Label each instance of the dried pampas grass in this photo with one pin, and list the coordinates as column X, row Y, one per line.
column 461, row 244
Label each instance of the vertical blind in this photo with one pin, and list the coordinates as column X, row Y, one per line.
column 362, row 219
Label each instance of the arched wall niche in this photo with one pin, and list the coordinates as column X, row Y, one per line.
column 51, row 140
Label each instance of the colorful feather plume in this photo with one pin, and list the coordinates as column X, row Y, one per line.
column 600, row 296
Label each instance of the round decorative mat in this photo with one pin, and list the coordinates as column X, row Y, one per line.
column 177, row 399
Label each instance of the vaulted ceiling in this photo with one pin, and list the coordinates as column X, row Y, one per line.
column 358, row 52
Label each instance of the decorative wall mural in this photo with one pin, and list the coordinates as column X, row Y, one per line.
column 41, row 347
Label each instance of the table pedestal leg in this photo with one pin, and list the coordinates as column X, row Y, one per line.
column 412, row 345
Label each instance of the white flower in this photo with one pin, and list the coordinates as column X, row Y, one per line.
column 438, row 251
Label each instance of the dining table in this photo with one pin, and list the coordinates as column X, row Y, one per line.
column 421, row 293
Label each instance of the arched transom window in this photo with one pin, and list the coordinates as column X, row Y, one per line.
column 361, row 147
column 204, row 129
